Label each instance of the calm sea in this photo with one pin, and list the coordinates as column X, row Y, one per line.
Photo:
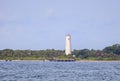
column 59, row 71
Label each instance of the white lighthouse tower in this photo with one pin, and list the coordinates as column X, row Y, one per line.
column 68, row 44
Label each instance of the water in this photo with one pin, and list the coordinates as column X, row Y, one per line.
column 59, row 71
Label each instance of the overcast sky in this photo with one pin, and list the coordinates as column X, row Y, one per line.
column 43, row 24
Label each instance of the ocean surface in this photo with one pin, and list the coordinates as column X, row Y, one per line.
column 59, row 71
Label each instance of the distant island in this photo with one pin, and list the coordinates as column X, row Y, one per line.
column 109, row 53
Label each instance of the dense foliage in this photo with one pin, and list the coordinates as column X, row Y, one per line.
column 108, row 53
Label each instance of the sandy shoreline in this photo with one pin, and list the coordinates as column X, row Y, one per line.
column 98, row 61
column 53, row 61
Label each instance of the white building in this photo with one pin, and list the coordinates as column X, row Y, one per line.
column 68, row 45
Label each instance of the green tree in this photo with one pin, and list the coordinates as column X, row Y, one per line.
column 114, row 49
column 84, row 53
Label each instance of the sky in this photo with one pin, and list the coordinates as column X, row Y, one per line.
column 43, row 24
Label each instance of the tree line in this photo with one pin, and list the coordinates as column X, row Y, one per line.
column 108, row 53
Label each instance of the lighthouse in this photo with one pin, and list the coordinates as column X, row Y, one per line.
column 68, row 44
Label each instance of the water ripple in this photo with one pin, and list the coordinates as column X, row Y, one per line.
column 59, row 71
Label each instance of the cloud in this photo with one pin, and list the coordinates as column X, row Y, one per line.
column 7, row 31
column 6, row 17
column 51, row 12
column 3, row 17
